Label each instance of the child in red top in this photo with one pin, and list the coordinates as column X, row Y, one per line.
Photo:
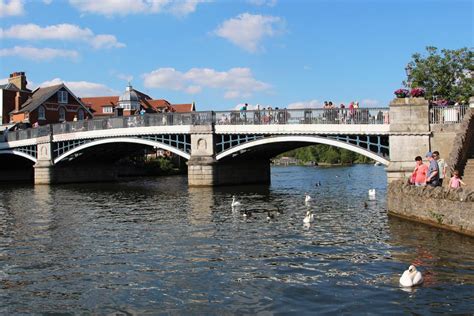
column 455, row 182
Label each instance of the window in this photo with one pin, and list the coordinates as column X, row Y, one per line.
column 62, row 96
column 80, row 114
column 62, row 114
column 41, row 113
column 107, row 109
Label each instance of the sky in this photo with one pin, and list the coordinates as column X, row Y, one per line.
column 223, row 53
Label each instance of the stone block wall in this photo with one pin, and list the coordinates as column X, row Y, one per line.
column 445, row 208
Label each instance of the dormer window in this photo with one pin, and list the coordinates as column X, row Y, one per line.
column 41, row 113
column 62, row 96
column 107, row 109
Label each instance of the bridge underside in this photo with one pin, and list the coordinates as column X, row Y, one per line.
column 14, row 168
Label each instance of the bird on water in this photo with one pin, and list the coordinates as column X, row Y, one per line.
column 411, row 277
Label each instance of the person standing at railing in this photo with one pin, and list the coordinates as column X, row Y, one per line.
column 351, row 112
column 343, row 113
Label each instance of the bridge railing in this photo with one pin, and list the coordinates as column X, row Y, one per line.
column 277, row 116
column 303, row 116
column 447, row 114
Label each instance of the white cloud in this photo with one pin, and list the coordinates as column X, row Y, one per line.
column 11, row 7
column 125, row 77
column 370, row 103
column 247, row 30
column 236, row 82
column 65, row 32
column 38, row 54
column 270, row 3
column 125, row 7
column 4, row 81
column 83, row 88
column 47, row 2
column 305, row 104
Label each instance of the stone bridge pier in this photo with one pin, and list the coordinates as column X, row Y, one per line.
column 205, row 170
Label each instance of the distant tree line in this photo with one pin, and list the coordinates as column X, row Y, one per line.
column 326, row 154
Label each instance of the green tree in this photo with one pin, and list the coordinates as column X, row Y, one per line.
column 447, row 74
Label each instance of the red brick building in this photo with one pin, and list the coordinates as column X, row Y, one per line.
column 47, row 105
column 131, row 102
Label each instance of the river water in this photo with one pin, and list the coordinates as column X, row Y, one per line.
column 154, row 246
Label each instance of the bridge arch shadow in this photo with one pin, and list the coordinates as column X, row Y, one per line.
column 17, row 153
column 295, row 142
column 118, row 140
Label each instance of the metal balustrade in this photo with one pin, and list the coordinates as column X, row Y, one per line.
column 255, row 117
column 447, row 114
column 303, row 116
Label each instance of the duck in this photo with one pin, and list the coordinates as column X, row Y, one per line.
column 309, row 218
column 307, row 198
column 234, row 202
column 270, row 216
column 411, row 277
column 372, row 193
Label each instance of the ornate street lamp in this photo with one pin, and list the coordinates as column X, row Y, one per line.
column 408, row 70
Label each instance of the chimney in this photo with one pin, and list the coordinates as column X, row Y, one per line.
column 17, row 101
column 18, row 79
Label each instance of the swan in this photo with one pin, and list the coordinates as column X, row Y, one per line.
column 307, row 198
column 234, row 202
column 411, row 277
column 309, row 218
column 372, row 193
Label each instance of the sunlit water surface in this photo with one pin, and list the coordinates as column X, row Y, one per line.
column 154, row 245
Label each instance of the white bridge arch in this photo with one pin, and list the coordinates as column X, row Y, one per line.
column 122, row 140
column 302, row 139
column 18, row 153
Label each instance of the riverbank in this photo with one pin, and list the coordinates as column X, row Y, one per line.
column 440, row 207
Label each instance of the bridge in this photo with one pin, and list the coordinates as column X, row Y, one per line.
column 223, row 147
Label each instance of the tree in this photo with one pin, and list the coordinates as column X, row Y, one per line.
column 448, row 74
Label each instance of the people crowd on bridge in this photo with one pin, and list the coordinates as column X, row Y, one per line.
column 330, row 114
column 434, row 172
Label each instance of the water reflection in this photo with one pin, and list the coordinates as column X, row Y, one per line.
column 155, row 244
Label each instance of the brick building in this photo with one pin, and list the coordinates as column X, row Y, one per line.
column 47, row 105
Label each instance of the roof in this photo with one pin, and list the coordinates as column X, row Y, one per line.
column 158, row 104
column 187, row 107
column 38, row 97
column 9, row 86
column 97, row 103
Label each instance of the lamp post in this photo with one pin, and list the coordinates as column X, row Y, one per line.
column 408, row 70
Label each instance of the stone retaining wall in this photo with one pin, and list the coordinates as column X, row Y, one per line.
column 441, row 207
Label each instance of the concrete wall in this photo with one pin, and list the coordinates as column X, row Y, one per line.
column 442, row 138
column 440, row 207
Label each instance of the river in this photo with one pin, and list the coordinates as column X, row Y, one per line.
column 153, row 245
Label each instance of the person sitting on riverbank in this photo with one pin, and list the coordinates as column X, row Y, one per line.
column 432, row 178
column 418, row 176
column 455, row 181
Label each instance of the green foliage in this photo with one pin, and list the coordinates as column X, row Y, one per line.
column 447, row 74
column 325, row 154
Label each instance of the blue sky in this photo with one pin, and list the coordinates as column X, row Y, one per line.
column 280, row 53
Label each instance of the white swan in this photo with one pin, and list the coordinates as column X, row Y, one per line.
column 234, row 202
column 307, row 198
column 411, row 277
column 309, row 218
column 372, row 194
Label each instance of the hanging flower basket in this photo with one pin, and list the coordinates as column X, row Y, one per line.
column 401, row 93
column 417, row 92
